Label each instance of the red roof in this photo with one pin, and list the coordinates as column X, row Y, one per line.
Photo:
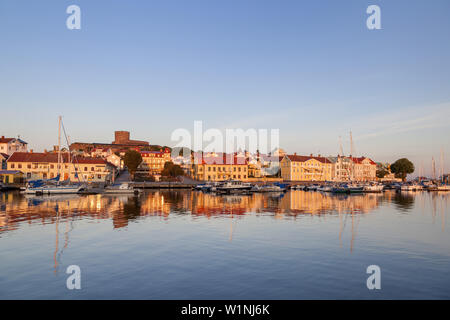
column 361, row 159
column 221, row 158
column 5, row 140
column 51, row 158
column 296, row 158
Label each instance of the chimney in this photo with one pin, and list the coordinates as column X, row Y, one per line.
column 3, row 137
column 31, row 150
column 311, row 155
column 319, row 155
column 295, row 153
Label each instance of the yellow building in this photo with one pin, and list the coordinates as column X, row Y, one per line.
column 45, row 166
column 305, row 168
column 11, row 176
column 153, row 161
column 219, row 167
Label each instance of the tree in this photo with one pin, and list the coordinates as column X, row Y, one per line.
column 172, row 170
column 132, row 160
column 381, row 173
column 401, row 168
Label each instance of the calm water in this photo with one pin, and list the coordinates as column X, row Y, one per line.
column 191, row 245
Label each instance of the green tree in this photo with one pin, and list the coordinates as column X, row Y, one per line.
column 401, row 168
column 381, row 173
column 132, row 160
column 172, row 170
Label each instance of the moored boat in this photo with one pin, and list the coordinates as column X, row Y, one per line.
column 123, row 188
column 234, row 185
column 373, row 188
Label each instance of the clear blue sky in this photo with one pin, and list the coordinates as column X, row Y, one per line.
column 310, row 68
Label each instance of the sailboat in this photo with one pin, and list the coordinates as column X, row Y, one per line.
column 54, row 185
column 443, row 186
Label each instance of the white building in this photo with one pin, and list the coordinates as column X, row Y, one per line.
column 11, row 145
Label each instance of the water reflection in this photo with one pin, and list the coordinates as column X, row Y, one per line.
column 293, row 237
column 16, row 208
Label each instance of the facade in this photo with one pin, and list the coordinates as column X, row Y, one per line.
column 341, row 168
column 3, row 158
column 305, row 168
column 153, row 161
column 11, row 176
column 363, row 169
column 11, row 145
column 36, row 166
column 219, row 167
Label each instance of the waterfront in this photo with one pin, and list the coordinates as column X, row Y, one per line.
column 191, row 245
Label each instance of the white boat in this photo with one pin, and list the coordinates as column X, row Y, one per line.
column 55, row 189
column 411, row 187
column 234, row 185
column 123, row 188
column 267, row 188
column 355, row 188
column 325, row 188
column 443, row 187
column 373, row 188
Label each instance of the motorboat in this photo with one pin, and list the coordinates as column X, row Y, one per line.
column 411, row 187
column 355, row 188
column 325, row 188
column 444, row 187
column 123, row 188
column 267, row 188
column 234, row 185
column 373, row 188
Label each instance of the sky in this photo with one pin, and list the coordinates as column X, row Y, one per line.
column 309, row 68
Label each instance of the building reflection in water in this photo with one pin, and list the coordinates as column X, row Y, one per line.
column 16, row 208
column 63, row 210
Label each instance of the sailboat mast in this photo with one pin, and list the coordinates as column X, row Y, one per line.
column 433, row 167
column 59, row 146
column 352, row 165
column 442, row 165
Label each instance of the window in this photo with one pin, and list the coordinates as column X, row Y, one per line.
column 85, row 168
column 99, row 176
column 19, row 166
column 29, row 166
column 12, row 165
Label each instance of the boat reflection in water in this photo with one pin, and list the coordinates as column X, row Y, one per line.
column 16, row 208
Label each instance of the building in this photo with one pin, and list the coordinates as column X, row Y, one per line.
column 3, row 158
column 363, row 169
column 45, row 166
column 11, row 145
column 11, row 176
column 305, row 168
column 219, row 167
column 341, row 168
column 108, row 155
column 153, row 161
column 121, row 143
